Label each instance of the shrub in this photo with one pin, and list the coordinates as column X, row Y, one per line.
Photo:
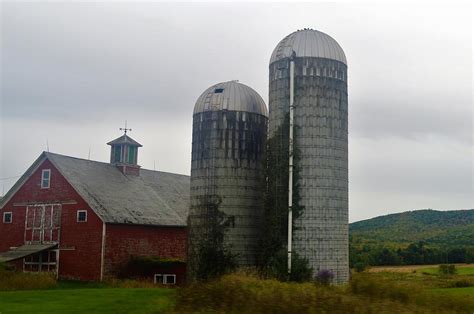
column 214, row 260
column 447, row 269
column 324, row 277
column 143, row 266
column 462, row 283
column 360, row 266
column 278, row 268
column 210, row 255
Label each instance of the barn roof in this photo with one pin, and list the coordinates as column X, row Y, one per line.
column 153, row 198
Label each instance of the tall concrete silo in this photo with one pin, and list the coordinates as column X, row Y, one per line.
column 319, row 69
column 229, row 132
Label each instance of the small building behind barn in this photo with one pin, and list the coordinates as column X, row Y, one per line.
column 87, row 220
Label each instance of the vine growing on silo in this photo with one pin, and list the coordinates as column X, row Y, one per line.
column 273, row 244
column 212, row 256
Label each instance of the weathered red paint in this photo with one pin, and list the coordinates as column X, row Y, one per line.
column 123, row 241
column 80, row 244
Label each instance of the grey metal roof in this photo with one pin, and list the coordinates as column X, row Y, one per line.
column 24, row 251
column 308, row 43
column 153, row 198
column 233, row 96
column 125, row 139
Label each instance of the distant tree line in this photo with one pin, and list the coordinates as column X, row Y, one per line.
column 418, row 253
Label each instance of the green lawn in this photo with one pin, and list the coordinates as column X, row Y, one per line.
column 460, row 270
column 89, row 300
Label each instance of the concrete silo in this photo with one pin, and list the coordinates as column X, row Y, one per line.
column 229, row 133
column 314, row 66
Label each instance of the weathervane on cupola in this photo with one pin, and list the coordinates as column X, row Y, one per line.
column 125, row 128
column 124, row 153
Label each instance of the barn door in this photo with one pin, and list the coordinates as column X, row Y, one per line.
column 42, row 223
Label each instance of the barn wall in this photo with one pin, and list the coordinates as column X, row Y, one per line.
column 123, row 241
column 80, row 243
column 12, row 234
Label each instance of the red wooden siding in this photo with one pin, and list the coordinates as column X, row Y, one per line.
column 123, row 241
column 80, row 243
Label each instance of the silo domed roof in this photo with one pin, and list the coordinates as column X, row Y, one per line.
column 233, row 96
column 308, row 43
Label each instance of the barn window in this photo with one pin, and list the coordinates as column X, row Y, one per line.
column 39, row 262
column 45, row 178
column 117, row 153
column 132, row 153
column 81, row 216
column 7, row 217
column 165, row 279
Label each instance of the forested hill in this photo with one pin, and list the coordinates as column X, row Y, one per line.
column 435, row 228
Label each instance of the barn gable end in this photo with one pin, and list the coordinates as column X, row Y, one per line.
column 74, row 238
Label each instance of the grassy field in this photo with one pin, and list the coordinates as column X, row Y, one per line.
column 414, row 289
column 468, row 271
column 465, row 269
column 90, row 300
column 467, row 292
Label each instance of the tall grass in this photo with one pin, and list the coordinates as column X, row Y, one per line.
column 240, row 293
column 10, row 280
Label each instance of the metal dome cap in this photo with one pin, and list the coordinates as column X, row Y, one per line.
column 232, row 96
column 308, row 43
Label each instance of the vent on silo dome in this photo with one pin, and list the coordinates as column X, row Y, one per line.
column 308, row 43
column 232, row 96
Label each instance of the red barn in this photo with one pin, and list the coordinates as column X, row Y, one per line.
column 85, row 219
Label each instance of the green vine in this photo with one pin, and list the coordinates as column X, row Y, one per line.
column 273, row 245
column 213, row 257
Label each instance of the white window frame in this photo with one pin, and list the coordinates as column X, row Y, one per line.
column 43, row 179
column 77, row 215
column 5, row 216
column 163, row 280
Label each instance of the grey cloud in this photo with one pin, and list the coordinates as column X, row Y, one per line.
column 412, row 118
column 83, row 68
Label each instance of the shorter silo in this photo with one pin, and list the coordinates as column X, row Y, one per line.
column 229, row 133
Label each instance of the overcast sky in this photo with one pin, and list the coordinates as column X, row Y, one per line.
column 72, row 73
